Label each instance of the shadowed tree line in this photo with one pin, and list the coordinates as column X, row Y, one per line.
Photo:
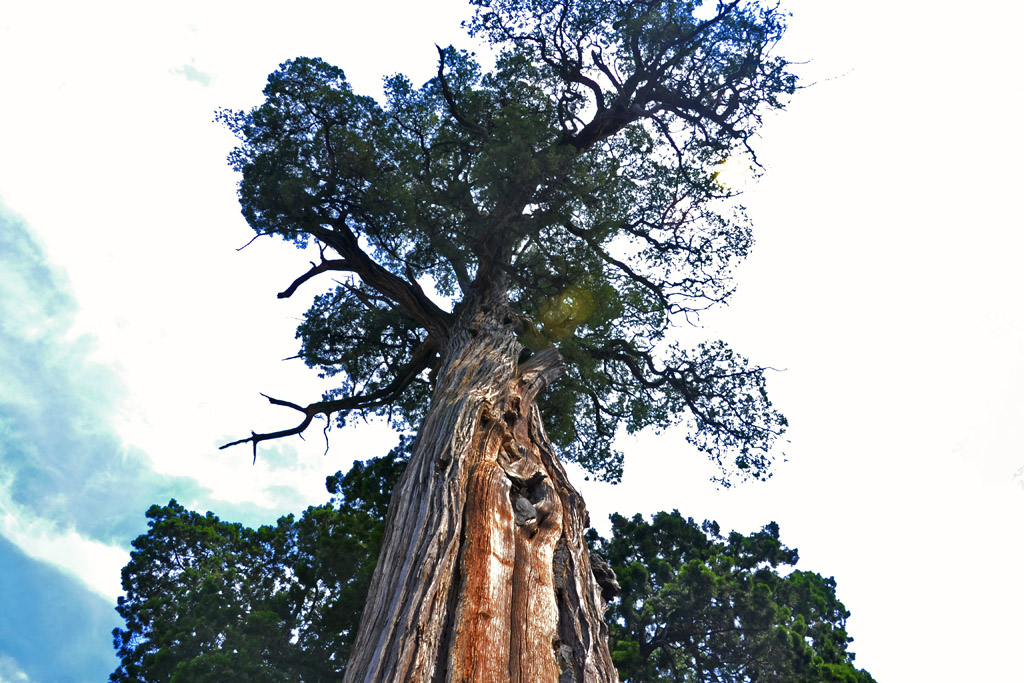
column 209, row 600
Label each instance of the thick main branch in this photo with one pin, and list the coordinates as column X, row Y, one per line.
column 407, row 294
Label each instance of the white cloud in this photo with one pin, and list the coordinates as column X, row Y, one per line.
column 95, row 564
column 10, row 672
column 194, row 75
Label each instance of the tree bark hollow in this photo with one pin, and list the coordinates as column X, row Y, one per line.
column 484, row 575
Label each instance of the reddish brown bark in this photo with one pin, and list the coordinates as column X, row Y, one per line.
column 484, row 575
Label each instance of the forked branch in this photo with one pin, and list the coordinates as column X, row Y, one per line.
column 324, row 266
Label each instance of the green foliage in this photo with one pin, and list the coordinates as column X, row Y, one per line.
column 698, row 606
column 207, row 600
column 577, row 178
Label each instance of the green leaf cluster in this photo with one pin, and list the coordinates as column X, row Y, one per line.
column 699, row 606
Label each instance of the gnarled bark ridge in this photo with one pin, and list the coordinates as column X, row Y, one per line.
column 484, row 575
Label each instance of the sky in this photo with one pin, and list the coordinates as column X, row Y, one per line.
column 135, row 338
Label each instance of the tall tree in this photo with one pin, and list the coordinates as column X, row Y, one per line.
column 694, row 605
column 563, row 214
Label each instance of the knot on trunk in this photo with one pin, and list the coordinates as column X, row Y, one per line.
column 529, row 500
column 538, row 372
column 524, row 511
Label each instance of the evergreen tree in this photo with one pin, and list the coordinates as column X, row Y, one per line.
column 694, row 605
column 554, row 218
column 207, row 600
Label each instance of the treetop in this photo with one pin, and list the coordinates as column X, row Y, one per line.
column 575, row 181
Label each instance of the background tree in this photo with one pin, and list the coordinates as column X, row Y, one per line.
column 693, row 605
column 698, row 606
column 563, row 213
column 207, row 600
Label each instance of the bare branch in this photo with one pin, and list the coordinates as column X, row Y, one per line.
column 420, row 361
column 309, row 411
column 324, row 266
column 255, row 237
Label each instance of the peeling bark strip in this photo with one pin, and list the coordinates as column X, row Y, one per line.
column 484, row 576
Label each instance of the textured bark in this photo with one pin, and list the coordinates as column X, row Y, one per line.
column 484, row 575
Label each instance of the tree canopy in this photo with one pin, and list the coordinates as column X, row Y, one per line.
column 695, row 605
column 575, row 179
column 514, row 245
column 209, row 600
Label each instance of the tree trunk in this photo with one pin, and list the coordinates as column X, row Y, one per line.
column 484, row 575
